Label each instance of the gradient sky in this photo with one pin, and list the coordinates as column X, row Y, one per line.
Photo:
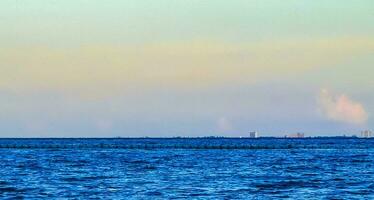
column 89, row 68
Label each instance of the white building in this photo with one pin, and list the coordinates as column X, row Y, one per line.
column 367, row 134
column 253, row 134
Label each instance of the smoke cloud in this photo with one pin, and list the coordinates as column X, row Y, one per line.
column 341, row 108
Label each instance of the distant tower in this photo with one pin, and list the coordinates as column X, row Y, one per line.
column 253, row 134
column 366, row 134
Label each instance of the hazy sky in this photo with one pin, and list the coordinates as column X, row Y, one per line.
column 90, row 68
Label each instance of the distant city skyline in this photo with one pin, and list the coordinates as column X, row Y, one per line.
column 185, row 68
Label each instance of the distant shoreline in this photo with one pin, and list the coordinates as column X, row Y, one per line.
column 173, row 138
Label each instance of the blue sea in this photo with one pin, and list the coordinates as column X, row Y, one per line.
column 180, row 168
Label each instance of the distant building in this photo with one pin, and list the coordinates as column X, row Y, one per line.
column 296, row 135
column 367, row 134
column 253, row 134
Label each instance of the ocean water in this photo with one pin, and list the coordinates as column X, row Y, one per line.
column 330, row 168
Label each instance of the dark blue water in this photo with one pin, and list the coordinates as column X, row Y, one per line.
column 187, row 168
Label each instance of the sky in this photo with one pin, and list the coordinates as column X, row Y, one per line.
column 162, row 68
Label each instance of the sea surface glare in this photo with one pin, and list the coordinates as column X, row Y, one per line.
column 330, row 168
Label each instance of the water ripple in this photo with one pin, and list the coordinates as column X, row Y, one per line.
column 79, row 168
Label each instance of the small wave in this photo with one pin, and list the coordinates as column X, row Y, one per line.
column 8, row 189
column 153, row 193
column 285, row 185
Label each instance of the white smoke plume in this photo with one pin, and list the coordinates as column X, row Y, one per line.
column 341, row 108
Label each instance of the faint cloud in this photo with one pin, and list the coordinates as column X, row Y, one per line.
column 341, row 108
column 223, row 124
column 104, row 125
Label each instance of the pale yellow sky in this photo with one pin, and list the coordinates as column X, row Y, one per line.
column 195, row 63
